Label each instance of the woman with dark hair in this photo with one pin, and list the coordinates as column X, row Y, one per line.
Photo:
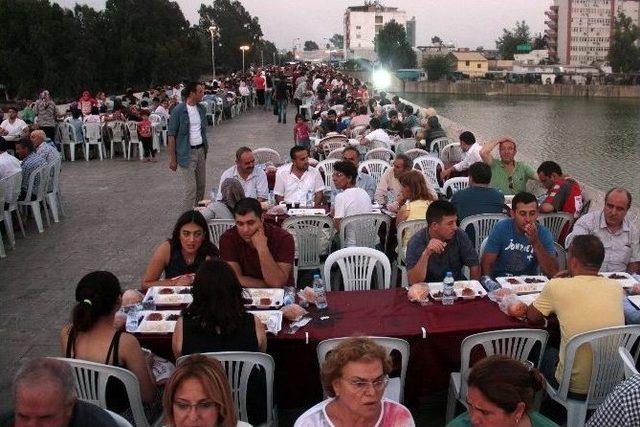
column 216, row 320
column 181, row 255
column 91, row 336
column 501, row 391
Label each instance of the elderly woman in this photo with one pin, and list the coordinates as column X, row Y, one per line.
column 198, row 393
column 232, row 191
column 354, row 374
column 501, row 391
column 180, row 256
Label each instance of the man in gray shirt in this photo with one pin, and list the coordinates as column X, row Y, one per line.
column 364, row 180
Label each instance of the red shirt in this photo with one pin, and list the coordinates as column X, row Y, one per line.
column 280, row 243
column 302, row 131
column 258, row 82
column 144, row 128
column 565, row 196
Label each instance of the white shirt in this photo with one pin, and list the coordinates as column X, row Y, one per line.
column 255, row 185
column 378, row 135
column 9, row 165
column 14, row 129
column 392, row 414
column 295, row 189
column 195, row 137
column 161, row 111
column 470, row 157
column 351, row 201
column 315, row 84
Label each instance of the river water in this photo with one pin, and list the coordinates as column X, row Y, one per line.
column 597, row 140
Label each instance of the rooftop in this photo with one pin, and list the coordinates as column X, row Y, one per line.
column 469, row 56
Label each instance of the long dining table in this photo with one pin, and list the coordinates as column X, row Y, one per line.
column 434, row 332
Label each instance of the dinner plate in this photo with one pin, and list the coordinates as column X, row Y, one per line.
column 257, row 297
column 625, row 279
column 178, row 295
column 166, row 325
column 435, row 289
column 523, row 284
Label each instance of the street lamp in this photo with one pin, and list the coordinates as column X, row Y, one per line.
column 243, row 48
column 213, row 29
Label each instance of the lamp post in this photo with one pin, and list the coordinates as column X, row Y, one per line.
column 213, row 29
column 243, row 48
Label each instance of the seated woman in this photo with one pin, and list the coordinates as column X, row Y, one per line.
column 501, row 391
column 199, row 382
column 231, row 191
column 415, row 197
column 355, row 375
column 91, row 336
column 181, row 255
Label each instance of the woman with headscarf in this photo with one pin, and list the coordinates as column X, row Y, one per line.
column 86, row 102
column 45, row 110
column 232, row 191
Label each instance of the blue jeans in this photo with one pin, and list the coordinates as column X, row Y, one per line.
column 282, row 110
column 267, row 98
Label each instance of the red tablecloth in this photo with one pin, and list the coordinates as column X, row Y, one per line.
column 375, row 313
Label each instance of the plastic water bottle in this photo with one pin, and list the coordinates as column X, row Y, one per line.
column 289, row 295
column 132, row 318
column 272, row 198
column 310, row 203
column 448, row 293
column 489, row 284
column 319, row 292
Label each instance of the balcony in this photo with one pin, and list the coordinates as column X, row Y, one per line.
column 551, row 33
column 551, row 24
column 551, row 15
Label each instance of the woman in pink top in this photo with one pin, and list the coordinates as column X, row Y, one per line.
column 86, row 102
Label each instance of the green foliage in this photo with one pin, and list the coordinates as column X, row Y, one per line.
column 510, row 39
column 435, row 40
column 539, row 42
column 437, row 66
column 351, row 65
column 337, row 40
column 624, row 53
column 311, row 45
column 393, row 48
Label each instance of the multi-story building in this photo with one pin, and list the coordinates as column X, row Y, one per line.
column 411, row 31
column 473, row 64
column 362, row 23
column 579, row 31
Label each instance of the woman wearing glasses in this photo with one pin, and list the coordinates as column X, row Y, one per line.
column 198, row 394
column 355, row 375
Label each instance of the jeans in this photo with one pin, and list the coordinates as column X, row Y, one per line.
column 193, row 179
column 282, row 110
column 267, row 97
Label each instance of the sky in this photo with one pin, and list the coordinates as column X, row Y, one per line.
column 466, row 23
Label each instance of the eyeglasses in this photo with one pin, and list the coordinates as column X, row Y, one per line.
column 199, row 407
column 377, row 384
column 510, row 179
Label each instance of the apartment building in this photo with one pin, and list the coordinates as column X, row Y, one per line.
column 362, row 23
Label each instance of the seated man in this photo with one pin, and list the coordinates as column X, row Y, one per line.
column 30, row 162
column 362, row 119
column 389, row 187
column 583, row 302
column 479, row 198
column 351, row 200
column 440, row 248
column 330, row 124
column 294, row 182
column 433, row 131
column 254, row 181
column 9, row 164
column 519, row 245
column 262, row 255
column 507, row 174
column 13, row 128
column 471, row 154
column 44, row 394
column 395, row 126
column 563, row 194
column 364, row 181
column 376, row 134
column 47, row 151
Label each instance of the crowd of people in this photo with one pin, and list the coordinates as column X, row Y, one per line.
column 259, row 253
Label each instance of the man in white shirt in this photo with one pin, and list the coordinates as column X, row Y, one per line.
column 13, row 128
column 351, row 200
column 253, row 181
column 471, row 154
column 376, row 134
column 389, row 187
column 9, row 165
column 295, row 181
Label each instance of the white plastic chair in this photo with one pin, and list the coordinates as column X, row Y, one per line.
column 330, row 143
column 119, row 419
column 264, row 155
column 561, row 256
column 2, row 196
column 10, row 186
column 414, row 153
column 34, row 197
column 357, row 265
column 52, row 193
column 357, row 131
column 452, row 185
column 383, row 154
column 91, row 378
column 116, row 136
column 335, row 154
column 132, row 138
column 92, row 136
column 238, row 366
column 156, row 129
column 482, row 225
column 429, row 165
column 451, row 153
column 404, row 145
column 378, row 143
column 390, row 344
column 411, row 227
column 438, row 144
column 325, row 168
column 217, row 227
column 312, row 237
column 364, row 227
column 555, row 222
column 515, row 343
column 67, row 136
column 629, row 364
column 375, row 168
column 208, row 111
column 607, row 368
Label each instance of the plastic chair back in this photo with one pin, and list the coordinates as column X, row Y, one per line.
column 11, row 188
column 53, row 183
column 356, row 265
column 452, row 185
column 414, row 153
column 390, row 344
column 561, row 256
column 155, row 118
column 482, row 225
column 312, row 236
column 92, row 133
column 375, row 168
column 438, row 144
column 451, row 153
column 265, row 155
column 629, row 364
column 37, row 184
column 63, row 134
column 91, row 378
column 383, row 154
column 378, row 143
column 404, row 145
column 336, row 154
column 217, row 227
column 116, row 131
column 119, row 419
column 429, row 165
column 132, row 131
column 357, row 131
column 365, row 227
column 330, row 143
column 556, row 223
column 325, row 167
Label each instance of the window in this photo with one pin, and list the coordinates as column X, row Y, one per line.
column 358, row 27
column 357, row 36
column 467, row 63
column 378, row 19
column 479, row 66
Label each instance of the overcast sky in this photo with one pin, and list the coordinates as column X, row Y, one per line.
column 467, row 23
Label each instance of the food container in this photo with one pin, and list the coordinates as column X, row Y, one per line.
column 625, row 279
column 263, row 298
column 523, row 284
column 466, row 289
column 157, row 322
column 169, row 295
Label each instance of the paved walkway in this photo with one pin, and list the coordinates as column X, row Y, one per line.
column 117, row 212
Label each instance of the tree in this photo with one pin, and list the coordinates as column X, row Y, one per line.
column 393, row 48
column 437, row 66
column 507, row 44
column 311, row 45
column 435, row 40
column 539, row 42
column 624, row 54
column 337, row 40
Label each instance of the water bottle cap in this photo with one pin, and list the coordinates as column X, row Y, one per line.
column 316, row 276
column 449, row 273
